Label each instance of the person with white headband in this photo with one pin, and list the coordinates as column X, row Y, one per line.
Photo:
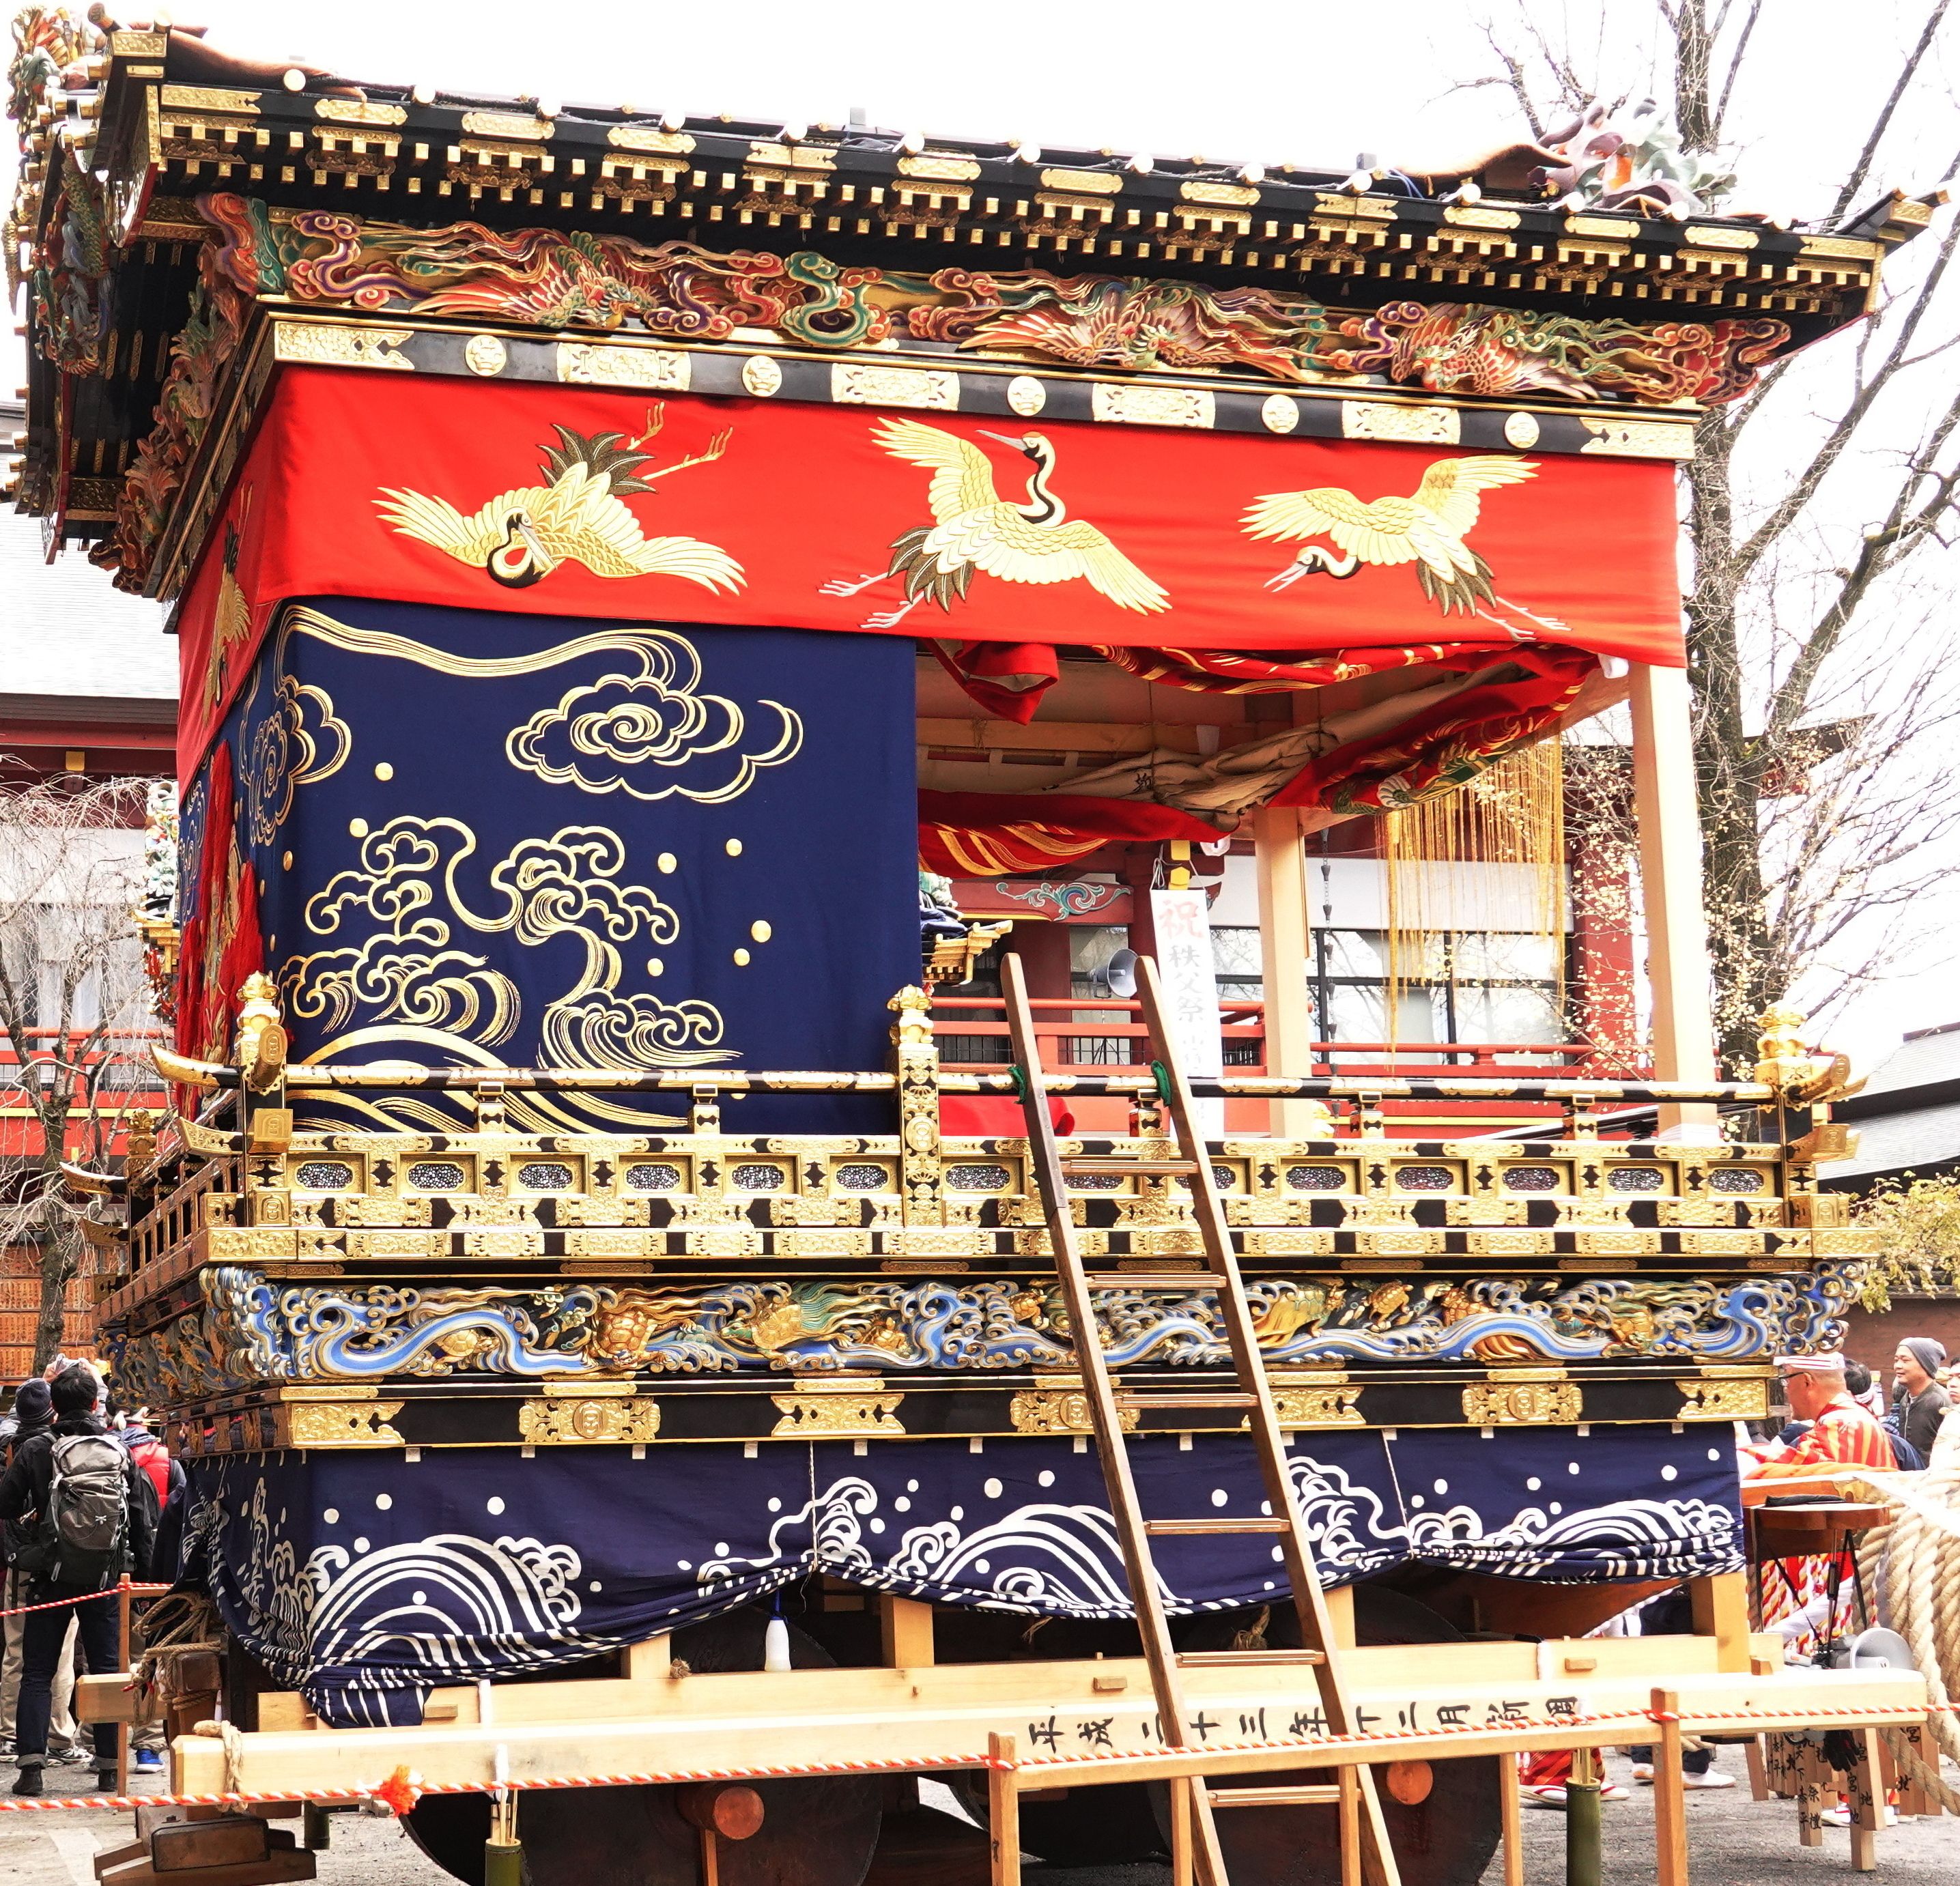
column 1841, row 1434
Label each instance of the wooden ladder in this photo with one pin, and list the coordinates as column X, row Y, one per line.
column 1365, row 1851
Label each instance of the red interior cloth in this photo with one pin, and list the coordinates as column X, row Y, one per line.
column 995, row 1117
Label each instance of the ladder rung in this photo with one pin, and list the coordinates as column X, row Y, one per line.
column 1237, row 1659
column 1180, row 1527
column 1325, row 1795
column 1222, row 1399
column 1072, row 1169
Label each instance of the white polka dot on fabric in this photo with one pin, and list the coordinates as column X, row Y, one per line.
column 1714, row 1453
column 1268, row 1583
column 955, row 1513
column 1670, row 1473
column 493, row 1504
column 383, row 1501
column 1219, row 1496
column 1443, row 1486
column 1265, row 1509
column 721, row 1548
column 595, row 1586
column 332, row 1515
column 421, row 1598
column 1045, row 1478
column 1556, row 1507
column 981, row 1565
column 992, row 1489
column 901, row 1504
column 775, row 1505
column 1279, row 1555
column 360, row 1545
column 685, row 1565
column 1571, row 1466
column 911, row 1485
column 877, row 1525
column 1533, row 1484
column 1415, row 1499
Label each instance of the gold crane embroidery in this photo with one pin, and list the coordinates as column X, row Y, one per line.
column 231, row 616
column 1427, row 530
column 578, row 516
column 975, row 529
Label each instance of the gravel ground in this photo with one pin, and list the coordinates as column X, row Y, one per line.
column 1733, row 1841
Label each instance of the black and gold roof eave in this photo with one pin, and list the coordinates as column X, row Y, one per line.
column 858, row 195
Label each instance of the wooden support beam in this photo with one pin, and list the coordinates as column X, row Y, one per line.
column 1340, row 1617
column 1510, row 1819
column 1285, row 939
column 1004, row 1815
column 1867, row 1796
column 718, row 1722
column 1720, row 1604
column 904, row 1632
column 1670, row 1799
column 1670, row 849
column 1759, row 1778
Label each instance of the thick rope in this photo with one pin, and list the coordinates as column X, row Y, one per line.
column 1912, row 1567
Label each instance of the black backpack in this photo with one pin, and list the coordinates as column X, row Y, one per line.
column 83, row 1537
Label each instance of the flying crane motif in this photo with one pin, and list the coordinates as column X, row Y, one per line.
column 975, row 529
column 578, row 516
column 1427, row 530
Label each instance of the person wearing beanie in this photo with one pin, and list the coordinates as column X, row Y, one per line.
column 1922, row 1403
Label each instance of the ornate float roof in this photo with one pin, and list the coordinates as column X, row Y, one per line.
column 159, row 171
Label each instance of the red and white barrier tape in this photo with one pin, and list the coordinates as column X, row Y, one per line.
column 85, row 1598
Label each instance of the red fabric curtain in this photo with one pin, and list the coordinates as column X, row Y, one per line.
column 1448, row 746
column 981, row 835
column 1240, row 671
column 778, row 513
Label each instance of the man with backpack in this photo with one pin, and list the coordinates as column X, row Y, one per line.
column 87, row 1512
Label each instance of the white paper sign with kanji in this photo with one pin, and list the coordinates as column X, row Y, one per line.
column 1190, row 982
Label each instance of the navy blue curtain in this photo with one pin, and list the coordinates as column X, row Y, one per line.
column 483, row 839
column 366, row 1579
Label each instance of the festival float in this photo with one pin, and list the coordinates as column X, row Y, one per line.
column 646, row 1405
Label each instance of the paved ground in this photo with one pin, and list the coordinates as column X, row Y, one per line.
column 1733, row 1841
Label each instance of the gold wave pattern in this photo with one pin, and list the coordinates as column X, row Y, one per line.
column 446, row 989
column 657, row 718
column 286, row 751
column 565, row 885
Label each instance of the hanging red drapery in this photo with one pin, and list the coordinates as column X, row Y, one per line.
column 983, row 834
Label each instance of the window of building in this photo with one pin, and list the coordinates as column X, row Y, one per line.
column 1462, row 986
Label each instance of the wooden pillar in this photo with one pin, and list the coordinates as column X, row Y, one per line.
column 1140, row 869
column 904, row 1632
column 1670, row 1800
column 1043, row 950
column 1865, row 1788
column 1510, row 1819
column 1720, row 1604
column 1670, row 846
column 1279, row 858
column 1004, row 1815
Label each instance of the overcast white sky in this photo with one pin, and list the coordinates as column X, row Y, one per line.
column 1302, row 80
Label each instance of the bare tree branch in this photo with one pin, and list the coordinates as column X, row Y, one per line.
column 1854, row 182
